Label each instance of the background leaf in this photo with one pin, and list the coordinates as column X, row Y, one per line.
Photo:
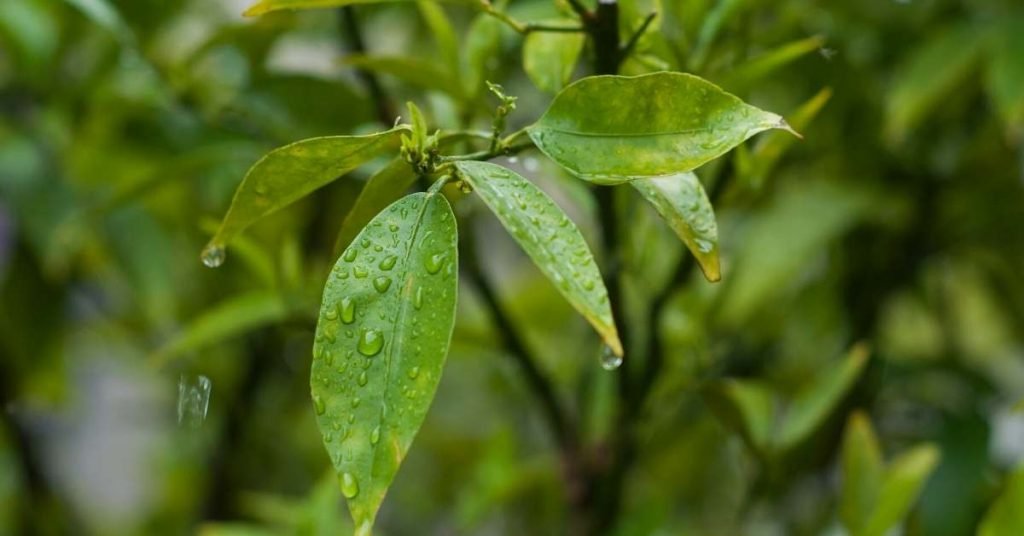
column 1006, row 517
column 904, row 479
column 862, row 471
column 549, row 58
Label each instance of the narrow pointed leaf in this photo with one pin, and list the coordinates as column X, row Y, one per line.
column 444, row 35
column 383, row 188
column 550, row 238
column 903, row 482
column 613, row 129
column 749, row 73
column 549, row 58
column 289, row 173
column 266, row 6
column 481, row 44
column 863, row 469
column 414, row 71
column 681, row 201
column 381, row 342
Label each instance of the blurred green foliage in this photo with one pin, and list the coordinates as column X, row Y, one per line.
column 125, row 126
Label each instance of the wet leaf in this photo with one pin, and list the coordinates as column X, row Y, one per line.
column 549, row 58
column 681, row 201
column 901, row 486
column 382, row 188
column 1006, row 517
column 613, row 129
column 863, row 469
column 381, row 342
column 289, row 173
column 550, row 238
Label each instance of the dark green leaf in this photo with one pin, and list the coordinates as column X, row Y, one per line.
column 683, row 204
column 381, row 342
column 613, row 129
column 550, row 238
column 748, row 408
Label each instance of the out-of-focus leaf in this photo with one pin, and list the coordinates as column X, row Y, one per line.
column 30, row 30
column 381, row 342
column 266, row 6
column 106, row 15
column 929, row 74
column 1006, row 515
column 770, row 148
column 749, row 73
column 549, row 58
column 382, row 188
column 550, row 238
column 230, row 318
column 863, row 469
column 1005, row 75
column 444, row 35
column 681, row 201
column 414, row 71
column 613, row 129
column 483, row 40
column 748, row 407
column 289, row 173
column 710, row 27
column 809, row 408
column 903, row 481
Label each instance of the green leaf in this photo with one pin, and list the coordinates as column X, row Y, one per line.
column 613, row 129
column 230, row 318
column 747, row 407
column 383, row 188
column 745, row 75
column 444, row 35
column 772, row 146
column 289, row 173
column 550, row 238
column 482, row 44
column 381, row 342
column 106, row 15
column 863, row 469
column 1006, row 517
column 681, row 201
column 1005, row 75
column 813, row 404
column 902, row 484
column 266, row 6
column 549, row 58
column 417, row 72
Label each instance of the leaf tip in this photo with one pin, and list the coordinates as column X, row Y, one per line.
column 256, row 10
column 782, row 124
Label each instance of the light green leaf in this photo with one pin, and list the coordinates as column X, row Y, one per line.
column 929, row 75
column 770, row 148
column 550, row 238
column 613, row 129
column 444, row 35
column 748, row 407
column 813, row 404
column 681, row 201
column 381, row 342
column 863, row 469
column 482, row 43
column 413, row 71
column 1006, row 516
column 289, row 173
column 549, row 58
column 383, row 188
column 745, row 75
column 903, row 482
column 106, row 15
column 232, row 317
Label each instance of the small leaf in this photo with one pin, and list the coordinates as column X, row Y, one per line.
column 381, row 342
column 902, row 484
column 383, row 188
column 550, row 238
column 549, row 58
column 681, row 201
column 772, row 146
column 289, row 173
column 613, row 129
column 1006, row 516
column 863, row 470
column 1005, row 75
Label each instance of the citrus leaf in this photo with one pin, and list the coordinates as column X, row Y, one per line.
column 549, row 58
column 289, row 173
column 381, row 342
column 382, row 188
column 1006, row 517
column 613, row 129
column 444, row 35
column 550, row 238
column 681, row 201
column 863, row 469
column 903, row 482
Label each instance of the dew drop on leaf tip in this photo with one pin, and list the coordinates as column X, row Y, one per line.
column 609, row 359
column 213, row 255
column 193, row 399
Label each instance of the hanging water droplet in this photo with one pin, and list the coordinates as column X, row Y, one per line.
column 319, row 405
column 193, row 399
column 382, row 284
column 349, row 485
column 213, row 255
column 388, row 262
column 348, row 310
column 355, row 402
column 375, row 435
column 609, row 359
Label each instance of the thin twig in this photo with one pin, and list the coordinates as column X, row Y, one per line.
column 353, row 36
column 635, row 38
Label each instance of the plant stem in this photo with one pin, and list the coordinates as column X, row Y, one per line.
column 353, row 36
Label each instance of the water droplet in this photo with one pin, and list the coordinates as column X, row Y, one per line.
column 360, row 272
column 365, row 243
column 370, row 342
column 609, row 359
column 375, row 435
column 588, row 284
column 349, row 485
column 347, row 307
column 388, row 262
column 331, row 314
column 434, row 263
column 382, row 284
column 393, row 227
column 350, row 254
column 213, row 255
column 417, row 299
column 362, row 379
column 414, row 372
column 703, row 245
column 193, row 399
column 318, row 405
column 355, row 402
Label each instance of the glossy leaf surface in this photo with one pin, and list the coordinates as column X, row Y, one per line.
column 549, row 58
column 288, row 173
column 613, row 129
column 681, row 201
column 381, row 342
column 550, row 238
